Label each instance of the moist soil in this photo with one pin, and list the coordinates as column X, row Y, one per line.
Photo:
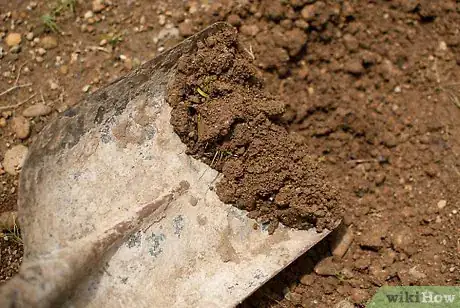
column 372, row 87
column 221, row 112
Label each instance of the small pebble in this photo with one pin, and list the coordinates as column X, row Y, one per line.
column 250, row 30
column 13, row 39
column 41, row 51
column 49, row 42
column 442, row 204
column 98, row 6
column 186, row 28
column 85, row 89
column 88, row 15
column 402, row 240
column 354, row 67
column 234, row 20
column 351, row 43
column 53, row 85
column 161, row 20
column 326, row 267
column 37, row 110
column 307, row 279
column 64, row 69
column 14, row 158
column 442, row 46
column 193, row 201
column 416, row 273
column 342, row 241
column 308, row 12
column 21, row 127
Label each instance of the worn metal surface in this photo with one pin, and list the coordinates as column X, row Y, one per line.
column 115, row 214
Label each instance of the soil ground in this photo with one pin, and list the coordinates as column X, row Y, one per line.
column 372, row 87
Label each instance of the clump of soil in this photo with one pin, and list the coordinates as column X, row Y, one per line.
column 221, row 112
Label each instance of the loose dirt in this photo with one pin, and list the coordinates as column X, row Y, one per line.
column 222, row 113
column 372, row 87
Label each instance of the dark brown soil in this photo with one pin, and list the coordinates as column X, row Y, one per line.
column 221, row 112
column 371, row 86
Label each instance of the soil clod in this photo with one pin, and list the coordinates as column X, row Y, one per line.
column 220, row 110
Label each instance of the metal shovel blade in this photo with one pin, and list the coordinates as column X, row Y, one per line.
column 115, row 214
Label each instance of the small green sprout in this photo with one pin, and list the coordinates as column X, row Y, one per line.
column 50, row 22
column 13, row 233
column 115, row 39
column 65, row 5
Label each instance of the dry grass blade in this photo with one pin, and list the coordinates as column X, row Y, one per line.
column 13, row 233
column 2, row 108
column 15, row 87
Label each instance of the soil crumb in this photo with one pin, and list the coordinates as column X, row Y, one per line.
column 221, row 112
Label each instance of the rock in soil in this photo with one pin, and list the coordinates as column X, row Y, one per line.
column 354, row 67
column 98, row 6
column 341, row 241
column 13, row 39
column 14, row 158
column 402, row 240
column 327, row 267
column 373, row 238
column 221, row 112
column 307, row 279
column 37, row 110
column 250, row 30
column 442, row 204
column 411, row 276
column 417, row 274
column 186, row 28
column 21, row 127
column 49, row 42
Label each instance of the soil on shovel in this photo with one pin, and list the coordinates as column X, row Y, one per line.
column 221, row 112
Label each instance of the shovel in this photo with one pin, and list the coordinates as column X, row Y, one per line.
column 114, row 213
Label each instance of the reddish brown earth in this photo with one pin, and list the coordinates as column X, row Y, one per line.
column 372, row 87
column 221, row 112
